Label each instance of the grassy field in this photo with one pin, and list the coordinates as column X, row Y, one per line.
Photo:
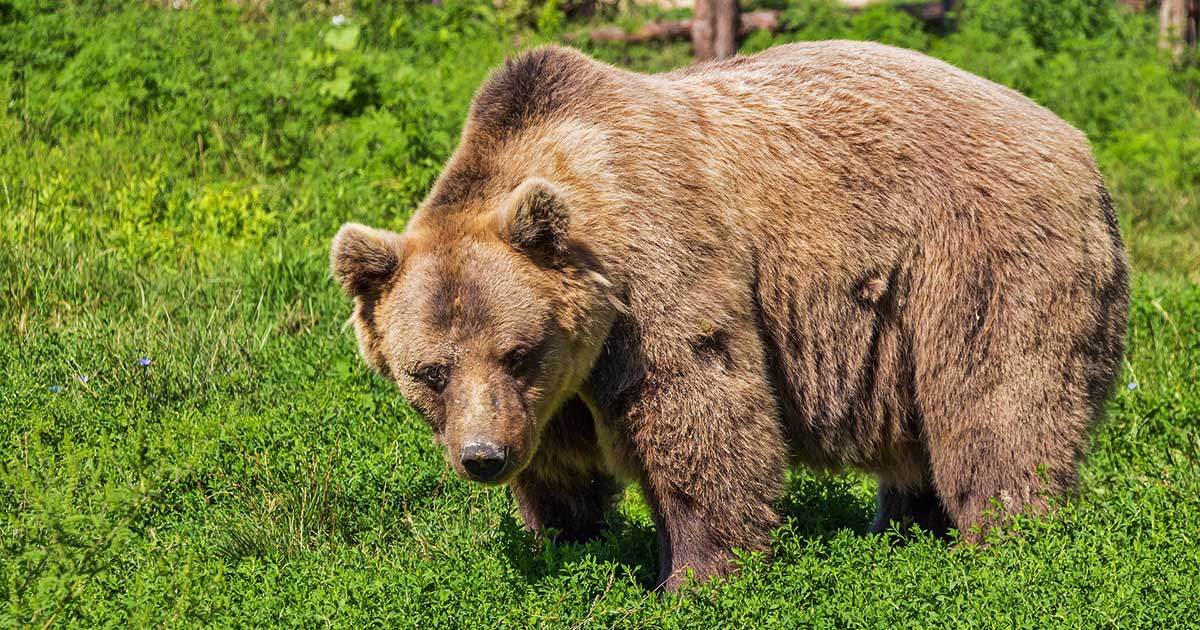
column 190, row 438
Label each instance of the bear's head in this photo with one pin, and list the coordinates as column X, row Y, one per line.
column 488, row 319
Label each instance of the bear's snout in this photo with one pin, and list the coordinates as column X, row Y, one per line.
column 483, row 461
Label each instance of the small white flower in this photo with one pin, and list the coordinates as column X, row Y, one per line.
column 338, row 20
column 1132, row 386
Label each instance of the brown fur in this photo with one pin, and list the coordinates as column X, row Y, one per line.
column 836, row 254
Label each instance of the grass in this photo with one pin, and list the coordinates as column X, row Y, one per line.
column 255, row 473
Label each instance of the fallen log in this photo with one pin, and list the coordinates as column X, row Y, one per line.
column 666, row 30
column 761, row 20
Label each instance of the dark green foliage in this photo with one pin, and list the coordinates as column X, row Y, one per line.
column 1049, row 25
column 169, row 183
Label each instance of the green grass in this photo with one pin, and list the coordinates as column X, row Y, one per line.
column 170, row 196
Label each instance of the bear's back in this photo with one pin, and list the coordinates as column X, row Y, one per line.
column 914, row 85
column 885, row 136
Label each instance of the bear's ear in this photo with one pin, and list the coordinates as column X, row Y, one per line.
column 364, row 257
column 535, row 219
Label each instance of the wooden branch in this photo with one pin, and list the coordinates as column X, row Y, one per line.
column 667, row 30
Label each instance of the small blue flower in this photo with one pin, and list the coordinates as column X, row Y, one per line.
column 144, row 361
column 338, row 20
column 83, row 379
column 56, row 389
column 1132, row 386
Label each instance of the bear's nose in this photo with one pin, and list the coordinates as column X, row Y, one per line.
column 483, row 461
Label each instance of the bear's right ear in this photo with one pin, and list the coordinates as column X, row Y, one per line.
column 363, row 257
column 535, row 220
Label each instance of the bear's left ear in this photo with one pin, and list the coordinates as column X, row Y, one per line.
column 363, row 258
column 534, row 219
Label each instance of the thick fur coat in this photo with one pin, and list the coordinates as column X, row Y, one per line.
column 836, row 254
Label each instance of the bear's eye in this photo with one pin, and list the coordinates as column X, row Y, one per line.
column 517, row 359
column 433, row 376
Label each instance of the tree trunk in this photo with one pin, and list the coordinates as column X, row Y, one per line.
column 1192, row 33
column 1178, row 24
column 714, row 29
column 725, row 38
column 703, row 27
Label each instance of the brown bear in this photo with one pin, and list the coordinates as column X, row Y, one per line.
column 837, row 254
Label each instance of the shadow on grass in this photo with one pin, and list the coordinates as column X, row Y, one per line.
column 811, row 507
column 822, row 506
column 628, row 544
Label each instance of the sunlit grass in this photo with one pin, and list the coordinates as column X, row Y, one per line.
column 191, row 439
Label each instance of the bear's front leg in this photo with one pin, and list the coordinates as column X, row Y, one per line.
column 712, row 462
column 566, row 486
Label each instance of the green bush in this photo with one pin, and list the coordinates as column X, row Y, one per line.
column 191, row 440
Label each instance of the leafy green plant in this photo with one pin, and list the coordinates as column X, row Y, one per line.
column 190, row 439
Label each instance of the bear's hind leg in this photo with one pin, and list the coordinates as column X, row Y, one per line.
column 1014, row 358
column 984, row 475
column 1006, row 443
column 575, row 507
column 566, row 487
column 909, row 506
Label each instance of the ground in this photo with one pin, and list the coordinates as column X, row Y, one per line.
column 190, row 438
